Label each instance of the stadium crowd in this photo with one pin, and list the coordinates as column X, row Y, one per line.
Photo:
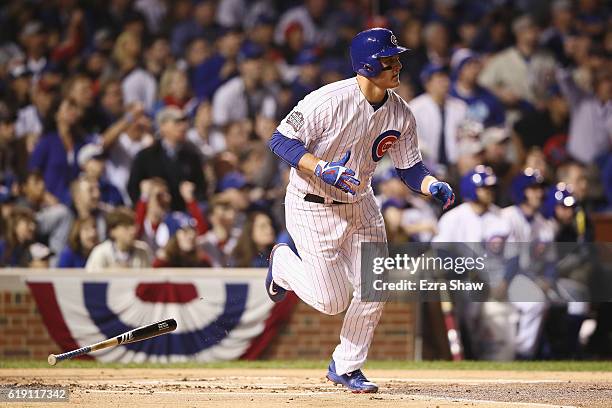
column 134, row 132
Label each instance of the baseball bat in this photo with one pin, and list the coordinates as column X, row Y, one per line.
column 132, row 336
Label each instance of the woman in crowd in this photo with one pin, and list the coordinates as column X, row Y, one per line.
column 21, row 229
column 82, row 239
column 173, row 89
column 256, row 242
column 181, row 249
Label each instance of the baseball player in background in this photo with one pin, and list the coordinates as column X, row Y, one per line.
column 334, row 139
column 535, row 274
column 487, row 332
column 478, row 211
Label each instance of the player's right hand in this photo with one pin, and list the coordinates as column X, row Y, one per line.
column 442, row 192
column 336, row 174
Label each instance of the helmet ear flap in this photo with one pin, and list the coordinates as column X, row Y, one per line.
column 371, row 68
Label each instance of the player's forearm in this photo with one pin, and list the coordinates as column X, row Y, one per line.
column 427, row 181
column 308, row 163
column 293, row 152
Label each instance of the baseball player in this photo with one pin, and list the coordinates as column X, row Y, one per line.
column 478, row 211
column 487, row 332
column 576, row 262
column 527, row 225
column 333, row 139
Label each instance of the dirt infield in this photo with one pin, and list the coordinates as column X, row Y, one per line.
column 273, row 388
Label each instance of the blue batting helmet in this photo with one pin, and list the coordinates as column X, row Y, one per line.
column 528, row 178
column 368, row 46
column 481, row 176
column 560, row 194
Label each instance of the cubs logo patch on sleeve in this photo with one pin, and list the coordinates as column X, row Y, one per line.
column 384, row 143
column 295, row 120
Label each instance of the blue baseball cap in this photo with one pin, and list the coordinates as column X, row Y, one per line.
column 307, row 56
column 560, row 194
column 250, row 50
column 431, row 69
column 233, row 179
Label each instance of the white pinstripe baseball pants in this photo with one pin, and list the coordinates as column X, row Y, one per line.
column 328, row 239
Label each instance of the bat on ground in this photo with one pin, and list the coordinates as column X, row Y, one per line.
column 452, row 331
column 132, row 336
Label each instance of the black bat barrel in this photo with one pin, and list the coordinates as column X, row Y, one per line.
column 148, row 331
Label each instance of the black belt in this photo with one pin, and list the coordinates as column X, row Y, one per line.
column 319, row 200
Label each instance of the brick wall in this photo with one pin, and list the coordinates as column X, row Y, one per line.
column 22, row 332
column 308, row 334
column 313, row 335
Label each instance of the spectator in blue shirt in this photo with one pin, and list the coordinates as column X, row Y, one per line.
column 309, row 75
column 202, row 24
column 53, row 219
column 214, row 71
column 483, row 106
column 82, row 239
column 55, row 154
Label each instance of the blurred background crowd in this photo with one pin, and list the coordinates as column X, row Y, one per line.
column 134, row 132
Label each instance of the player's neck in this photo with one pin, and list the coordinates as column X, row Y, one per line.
column 440, row 100
column 478, row 207
column 370, row 91
column 528, row 210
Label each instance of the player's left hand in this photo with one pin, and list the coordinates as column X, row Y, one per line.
column 336, row 174
column 442, row 192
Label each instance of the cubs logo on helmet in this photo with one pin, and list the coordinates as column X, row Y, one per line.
column 384, row 143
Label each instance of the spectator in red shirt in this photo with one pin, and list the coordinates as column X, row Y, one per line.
column 220, row 241
column 152, row 211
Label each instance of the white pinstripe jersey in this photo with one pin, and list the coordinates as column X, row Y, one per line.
column 536, row 230
column 336, row 118
column 463, row 224
column 524, row 230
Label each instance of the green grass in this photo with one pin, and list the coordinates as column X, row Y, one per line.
column 396, row 365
